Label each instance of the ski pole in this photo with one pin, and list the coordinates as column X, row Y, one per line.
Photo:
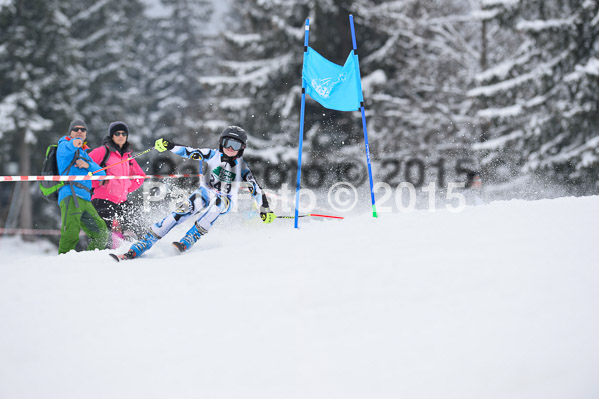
column 310, row 214
column 124, row 160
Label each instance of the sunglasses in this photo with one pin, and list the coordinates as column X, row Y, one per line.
column 79, row 129
column 120, row 134
column 232, row 143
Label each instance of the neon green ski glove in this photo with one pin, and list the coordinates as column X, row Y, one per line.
column 267, row 215
column 162, row 145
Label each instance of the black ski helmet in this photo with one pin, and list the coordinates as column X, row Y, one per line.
column 237, row 133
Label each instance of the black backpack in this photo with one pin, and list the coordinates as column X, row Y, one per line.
column 49, row 188
column 106, row 155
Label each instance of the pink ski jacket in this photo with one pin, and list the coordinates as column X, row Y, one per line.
column 116, row 190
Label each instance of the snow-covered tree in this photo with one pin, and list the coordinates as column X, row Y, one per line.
column 541, row 100
column 415, row 80
column 38, row 69
column 178, row 53
column 107, row 35
column 259, row 66
column 259, row 84
column 417, row 60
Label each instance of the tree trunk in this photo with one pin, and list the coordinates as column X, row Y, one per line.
column 485, row 124
column 25, row 169
column 483, row 50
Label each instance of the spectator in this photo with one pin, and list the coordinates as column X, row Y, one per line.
column 111, row 196
column 76, row 209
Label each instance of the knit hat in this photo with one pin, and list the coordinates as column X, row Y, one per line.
column 116, row 126
column 76, row 122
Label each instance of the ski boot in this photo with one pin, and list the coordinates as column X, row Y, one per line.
column 190, row 238
column 142, row 245
column 138, row 248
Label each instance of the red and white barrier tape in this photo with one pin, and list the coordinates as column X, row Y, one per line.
column 41, row 232
column 87, row 177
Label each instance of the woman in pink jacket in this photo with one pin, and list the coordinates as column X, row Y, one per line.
column 110, row 196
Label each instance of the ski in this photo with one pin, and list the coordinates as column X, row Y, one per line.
column 121, row 257
column 180, row 247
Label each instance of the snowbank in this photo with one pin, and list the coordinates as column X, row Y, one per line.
column 499, row 301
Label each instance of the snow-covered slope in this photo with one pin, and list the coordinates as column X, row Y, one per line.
column 498, row 301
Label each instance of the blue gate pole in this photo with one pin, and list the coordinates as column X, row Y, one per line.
column 301, row 130
column 361, row 98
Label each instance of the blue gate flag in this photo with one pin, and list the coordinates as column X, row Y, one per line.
column 333, row 86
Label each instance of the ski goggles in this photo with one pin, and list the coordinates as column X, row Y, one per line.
column 229, row 142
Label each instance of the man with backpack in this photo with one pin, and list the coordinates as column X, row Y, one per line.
column 74, row 198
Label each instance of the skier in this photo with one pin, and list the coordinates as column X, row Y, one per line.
column 213, row 198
